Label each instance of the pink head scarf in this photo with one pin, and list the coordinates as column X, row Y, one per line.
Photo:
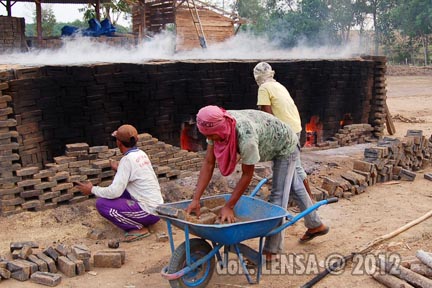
column 213, row 120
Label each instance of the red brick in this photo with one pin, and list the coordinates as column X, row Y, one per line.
column 66, row 266
column 46, row 278
column 107, row 260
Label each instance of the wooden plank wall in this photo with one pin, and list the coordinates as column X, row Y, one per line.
column 217, row 28
column 150, row 18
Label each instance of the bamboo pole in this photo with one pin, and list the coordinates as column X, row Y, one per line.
column 374, row 242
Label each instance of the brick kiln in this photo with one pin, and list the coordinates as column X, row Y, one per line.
column 47, row 109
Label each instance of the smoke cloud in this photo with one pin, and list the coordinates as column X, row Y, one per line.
column 84, row 50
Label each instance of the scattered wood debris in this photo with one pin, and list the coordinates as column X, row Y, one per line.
column 401, row 118
column 408, row 273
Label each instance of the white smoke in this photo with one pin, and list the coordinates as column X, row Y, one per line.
column 84, row 50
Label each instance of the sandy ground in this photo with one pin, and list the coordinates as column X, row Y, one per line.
column 354, row 222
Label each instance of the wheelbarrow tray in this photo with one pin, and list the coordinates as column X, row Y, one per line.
column 260, row 218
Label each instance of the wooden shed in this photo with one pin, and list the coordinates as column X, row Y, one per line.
column 196, row 23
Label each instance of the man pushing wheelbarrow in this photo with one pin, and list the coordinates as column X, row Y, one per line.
column 257, row 136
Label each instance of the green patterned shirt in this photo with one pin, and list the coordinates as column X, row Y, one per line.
column 262, row 137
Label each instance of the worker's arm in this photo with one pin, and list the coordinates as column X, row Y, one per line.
column 266, row 108
column 227, row 212
column 204, row 177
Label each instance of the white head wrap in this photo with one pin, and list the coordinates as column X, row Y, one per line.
column 263, row 72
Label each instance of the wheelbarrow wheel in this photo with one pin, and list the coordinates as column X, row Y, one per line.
column 199, row 277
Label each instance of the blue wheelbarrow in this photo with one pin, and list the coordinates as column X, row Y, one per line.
column 193, row 262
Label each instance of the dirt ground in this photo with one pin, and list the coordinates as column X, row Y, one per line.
column 353, row 222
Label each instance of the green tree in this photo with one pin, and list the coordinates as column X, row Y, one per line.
column 414, row 20
column 343, row 18
column 252, row 9
column 309, row 24
column 48, row 22
column 112, row 11
column 380, row 11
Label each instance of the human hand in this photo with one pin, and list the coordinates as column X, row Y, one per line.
column 114, row 164
column 194, row 206
column 84, row 187
column 227, row 214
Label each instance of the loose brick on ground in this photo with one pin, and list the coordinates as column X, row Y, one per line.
column 42, row 265
column 81, row 251
column 66, row 266
column 51, row 252
column 25, row 252
column 46, row 278
column 19, row 245
column 4, row 273
column 107, row 260
column 79, row 264
column 50, row 262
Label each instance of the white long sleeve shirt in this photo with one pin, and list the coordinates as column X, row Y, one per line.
column 136, row 175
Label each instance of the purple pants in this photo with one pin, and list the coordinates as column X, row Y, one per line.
column 125, row 212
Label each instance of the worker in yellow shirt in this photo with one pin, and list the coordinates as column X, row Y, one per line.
column 275, row 99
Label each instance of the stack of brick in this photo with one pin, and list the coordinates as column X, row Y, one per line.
column 391, row 159
column 9, row 157
column 378, row 113
column 42, row 266
column 33, row 189
column 57, row 43
column 170, row 162
column 57, row 105
column 354, row 134
column 12, row 36
column 72, row 104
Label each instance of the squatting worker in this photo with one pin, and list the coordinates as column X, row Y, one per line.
column 275, row 99
column 130, row 201
column 257, row 136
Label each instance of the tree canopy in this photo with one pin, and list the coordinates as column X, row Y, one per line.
column 395, row 25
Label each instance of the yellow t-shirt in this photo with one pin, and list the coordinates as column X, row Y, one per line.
column 274, row 94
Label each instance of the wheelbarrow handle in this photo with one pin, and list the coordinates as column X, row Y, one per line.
column 291, row 220
column 332, row 200
column 258, row 187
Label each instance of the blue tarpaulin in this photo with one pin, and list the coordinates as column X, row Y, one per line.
column 95, row 29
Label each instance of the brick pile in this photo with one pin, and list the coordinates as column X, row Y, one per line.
column 42, row 266
column 37, row 189
column 72, row 104
column 57, row 43
column 12, row 34
column 354, row 134
column 44, row 109
column 391, row 159
column 377, row 116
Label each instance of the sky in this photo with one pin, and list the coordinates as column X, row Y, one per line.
column 62, row 12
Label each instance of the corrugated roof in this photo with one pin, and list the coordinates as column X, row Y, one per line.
column 65, row 1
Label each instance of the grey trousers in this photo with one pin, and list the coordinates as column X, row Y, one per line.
column 299, row 167
column 286, row 183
